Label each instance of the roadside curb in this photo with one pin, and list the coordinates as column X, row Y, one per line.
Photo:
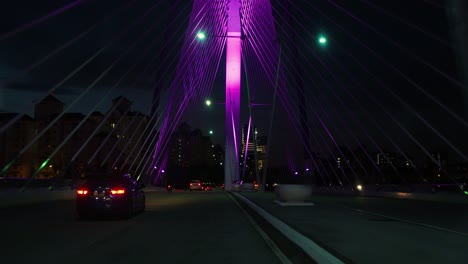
column 309, row 247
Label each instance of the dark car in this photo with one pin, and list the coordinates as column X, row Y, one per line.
column 115, row 195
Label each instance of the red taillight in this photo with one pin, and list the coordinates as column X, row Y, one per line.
column 199, row 184
column 190, row 184
column 82, row 191
column 118, row 191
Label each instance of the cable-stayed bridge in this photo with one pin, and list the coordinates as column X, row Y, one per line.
column 350, row 98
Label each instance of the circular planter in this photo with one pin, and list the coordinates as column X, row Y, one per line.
column 293, row 192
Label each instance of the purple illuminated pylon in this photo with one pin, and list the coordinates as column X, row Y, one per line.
column 220, row 22
column 233, row 85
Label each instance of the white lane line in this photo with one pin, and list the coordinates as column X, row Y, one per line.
column 406, row 221
column 294, row 204
column 316, row 252
column 282, row 257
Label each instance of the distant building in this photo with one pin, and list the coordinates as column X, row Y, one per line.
column 254, row 142
column 189, row 148
column 48, row 107
column 12, row 141
column 384, row 159
column 72, row 146
column 121, row 104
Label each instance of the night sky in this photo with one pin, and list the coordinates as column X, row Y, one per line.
column 23, row 49
column 19, row 51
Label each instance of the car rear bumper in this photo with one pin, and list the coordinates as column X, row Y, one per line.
column 93, row 206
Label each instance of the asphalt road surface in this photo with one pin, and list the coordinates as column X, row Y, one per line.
column 368, row 230
column 178, row 227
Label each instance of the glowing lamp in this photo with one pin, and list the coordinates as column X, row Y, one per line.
column 322, row 40
column 201, row 35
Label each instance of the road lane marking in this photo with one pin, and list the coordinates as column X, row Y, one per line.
column 282, row 257
column 405, row 221
column 312, row 249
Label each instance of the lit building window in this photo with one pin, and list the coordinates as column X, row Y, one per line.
column 113, row 125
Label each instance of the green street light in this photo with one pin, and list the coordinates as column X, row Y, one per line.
column 208, row 102
column 322, row 40
column 211, row 132
column 201, row 35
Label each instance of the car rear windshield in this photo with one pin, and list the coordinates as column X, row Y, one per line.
column 106, row 181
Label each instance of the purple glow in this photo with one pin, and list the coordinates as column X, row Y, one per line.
column 296, row 173
column 247, row 142
column 234, row 134
column 233, row 84
column 233, row 61
column 307, row 169
column 163, row 171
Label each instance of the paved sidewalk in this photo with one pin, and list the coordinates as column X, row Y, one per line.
column 377, row 230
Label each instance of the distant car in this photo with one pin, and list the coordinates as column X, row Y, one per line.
column 207, row 187
column 114, row 195
column 195, row 185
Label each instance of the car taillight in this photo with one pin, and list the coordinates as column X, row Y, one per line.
column 199, row 184
column 82, row 191
column 190, row 184
column 118, row 191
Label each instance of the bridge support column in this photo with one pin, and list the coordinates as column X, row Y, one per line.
column 233, row 85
